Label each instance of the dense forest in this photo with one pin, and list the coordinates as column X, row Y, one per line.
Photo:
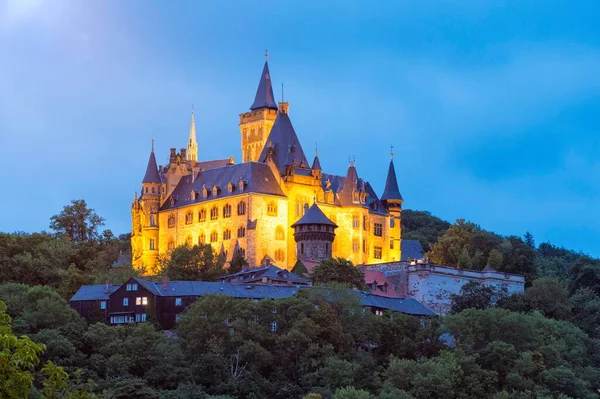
column 544, row 343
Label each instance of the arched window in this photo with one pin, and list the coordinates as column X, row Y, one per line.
column 214, row 236
column 189, row 217
column 171, row 244
column 202, row 215
column 171, row 220
column 202, row 239
column 241, row 232
column 188, row 241
column 242, row 208
column 272, row 208
column 279, row 255
column 227, row 235
column 227, row 211
column 279, row 233
column 153, row 188
column 214, row 213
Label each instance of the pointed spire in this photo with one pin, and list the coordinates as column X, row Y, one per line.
column 192, row 146
column 316, row 164
column 264, row 94
column 152, row 175
column 391, row 191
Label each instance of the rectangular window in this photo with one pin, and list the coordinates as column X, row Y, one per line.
column 145, row 300
column 177, row 316
column 132, row 287
column 140, row 317
column 377, row 252
column 125, row 301
column 379, row 312
column 391, row 243
column 273, row 326
column 121, row 319
column 378, row 229
column 152, row 247
column 355, row 246
column 365, row 223
column 365, row 246
column 177, row 301
column 141, row 300
column 392, row 222
column 102, row 305
column 355, row 221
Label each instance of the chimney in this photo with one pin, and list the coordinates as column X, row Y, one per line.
column 183, row 154
column 173, row 155
column 284, row 107
column 107, row 285
column 165, row 282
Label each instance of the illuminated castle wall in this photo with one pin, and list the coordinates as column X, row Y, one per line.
column 252, row 205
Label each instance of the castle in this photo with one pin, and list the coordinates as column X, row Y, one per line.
column 255, row 206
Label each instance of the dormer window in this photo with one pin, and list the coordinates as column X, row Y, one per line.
column 204, row 192
column 193, row 195
column 241, row 185
column 215, row 191
column 229, row 188
column 355, row 197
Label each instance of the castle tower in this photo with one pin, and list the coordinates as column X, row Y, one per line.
column 392, row 200
column 192, row 146
column 145, row 217
column 256, row 125
column 314, row 234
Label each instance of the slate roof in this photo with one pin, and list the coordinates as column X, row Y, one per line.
column 264, row 93
column 337, row 186
column 272, row 272
column 391, row 191
column 411, row 249
column 152, row 175
column 246, row 291
column 316, row 163
column 95, row 292
column 215, row 163
column 282, row 138
column 314, row 215
column 257, row 178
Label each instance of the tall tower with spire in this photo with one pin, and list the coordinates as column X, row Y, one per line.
column 192, row 146
column 392, row 200
column 256, row 124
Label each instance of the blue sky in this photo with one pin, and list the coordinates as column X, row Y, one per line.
column 493, row 107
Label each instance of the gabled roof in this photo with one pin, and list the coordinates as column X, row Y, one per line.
column 314, row 215
column 152, row 175
column 282, row 138
column 411, row 249
column 272, row 272
column 99, row 292
column 264, row 93
column 403, row 305
column 257, row 178
column 391, row 191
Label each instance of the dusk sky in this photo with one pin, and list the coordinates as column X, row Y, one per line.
column 493, row 107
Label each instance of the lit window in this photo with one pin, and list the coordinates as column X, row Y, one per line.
column 272, row 209
column 378, row 312
column 141, row 300
column 202, row 215
column 355, row 221
column 189, row 217
column 214, row 236
column 125, row 301
column 242, row 208
column 102, row 305
column 227, row 234
column 171, row 220
column 279, row 233
column 273, row 326
column 202, row 239
column 378, row 229
column 214, row 213
column 279, row 255
column 152, row 247
column 241, row 232
column 377, row 252
column 177, row 301
column 227, row 211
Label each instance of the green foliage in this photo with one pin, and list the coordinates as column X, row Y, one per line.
column 194, row 263
column 474, row 295
column 338, row 270
column 422, row 226
column 237, row 263
column 351, row 393
column 77, row 222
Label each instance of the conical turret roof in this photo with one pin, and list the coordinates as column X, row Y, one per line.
column 314, row 215
column 264, row 94
column 391, row 191
column 316, row 164
column 152, row 175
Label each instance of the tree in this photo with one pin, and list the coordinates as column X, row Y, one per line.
column 474, row 295
column 18, row 356
column 338, row 270
column 196, row 263
column 549, row 296
column 238, row 262
column 495, row 259
column 528, row 238
column 77, row 221
column 351, row 393
column 450, row 246
column 422, row 226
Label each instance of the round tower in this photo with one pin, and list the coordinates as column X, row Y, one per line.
column 314, row 234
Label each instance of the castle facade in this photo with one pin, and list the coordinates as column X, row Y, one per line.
column 251, row 206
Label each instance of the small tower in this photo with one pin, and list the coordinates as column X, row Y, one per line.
column 145, row 228
column 392, row 200
column 256, row 125
column 314, row 234
column 192, row 146
column 316, row 169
